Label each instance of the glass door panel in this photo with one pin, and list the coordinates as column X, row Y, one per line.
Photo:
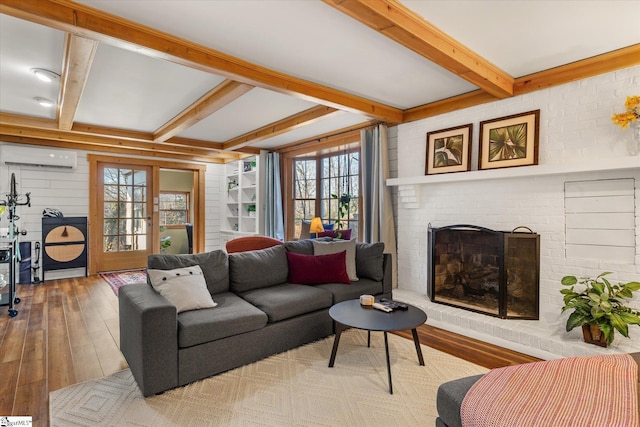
column 126, row 219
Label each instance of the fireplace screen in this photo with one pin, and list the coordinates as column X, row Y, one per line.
column 491, row 272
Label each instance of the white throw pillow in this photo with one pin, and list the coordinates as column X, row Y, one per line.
column 183, row 287
column 326, row 248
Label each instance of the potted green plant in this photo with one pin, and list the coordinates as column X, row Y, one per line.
column 599, row 307
column 165, row 241
column 343, row 208
column 251, row 210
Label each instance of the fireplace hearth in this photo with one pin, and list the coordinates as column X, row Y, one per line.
column 492, row 272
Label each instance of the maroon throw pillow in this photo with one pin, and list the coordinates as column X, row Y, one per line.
column 336, row 234
column 345, row 234
column 328, row 233
column 318, row 269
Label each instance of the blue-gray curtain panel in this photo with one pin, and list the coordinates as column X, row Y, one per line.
column 274, row 219
column 377, row 209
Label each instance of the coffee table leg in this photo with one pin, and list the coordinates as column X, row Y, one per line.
column 416, row 341
column 386, row 348
column 368, row 338
column 339, row 328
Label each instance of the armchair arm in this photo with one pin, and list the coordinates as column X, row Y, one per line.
column 149, row 337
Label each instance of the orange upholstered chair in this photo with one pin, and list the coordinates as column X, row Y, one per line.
column 251, row 243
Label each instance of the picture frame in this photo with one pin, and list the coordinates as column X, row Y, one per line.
column 509, row 141
column 449, row 150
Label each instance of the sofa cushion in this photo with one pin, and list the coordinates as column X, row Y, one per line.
column 288, row 300
column 316, row 269
column 258, row 269
column 304, row 246
column 341, row 292
column 369, row 260
column 185, row 287
column 324, row 248
column 214, row 265
column 232, row 316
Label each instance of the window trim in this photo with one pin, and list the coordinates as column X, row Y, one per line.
column 289, row 182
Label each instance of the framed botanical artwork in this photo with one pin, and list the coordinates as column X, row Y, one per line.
column 509, row 141
column 449, row 150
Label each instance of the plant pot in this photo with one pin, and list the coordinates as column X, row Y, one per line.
column 593, row 335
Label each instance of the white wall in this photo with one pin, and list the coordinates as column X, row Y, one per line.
column 575, row 127
column 68, row 191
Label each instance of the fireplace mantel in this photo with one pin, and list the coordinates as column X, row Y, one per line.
column 600, row 165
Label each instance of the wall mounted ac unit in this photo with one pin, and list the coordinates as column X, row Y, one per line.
column 45, row 157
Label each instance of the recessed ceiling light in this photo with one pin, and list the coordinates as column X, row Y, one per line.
column 45, row 102
column 45, row 75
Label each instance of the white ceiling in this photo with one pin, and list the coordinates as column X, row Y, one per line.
column 129, row 90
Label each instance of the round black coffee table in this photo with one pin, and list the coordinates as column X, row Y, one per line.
column 350, row 314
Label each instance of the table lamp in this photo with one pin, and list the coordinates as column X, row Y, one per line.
column 316, row 226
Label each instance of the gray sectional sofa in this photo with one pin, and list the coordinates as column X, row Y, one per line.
column 258, row 313
column 449, row 400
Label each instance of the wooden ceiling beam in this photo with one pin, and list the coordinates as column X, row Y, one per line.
column 18, row 119
column 605, row 63
column 325, row 136
column 78, row 57
column 12, row 129
column 277, row 128
column 448, row 105
column 88, row 22
column 320, row 145
column 600, row 64
column 119, row 134
column 215, row 99
column 396, row 21
column 104, row 148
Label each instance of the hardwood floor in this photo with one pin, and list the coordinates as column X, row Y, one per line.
column 67, row 332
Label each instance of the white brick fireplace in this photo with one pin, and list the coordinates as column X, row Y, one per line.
column 578, row 142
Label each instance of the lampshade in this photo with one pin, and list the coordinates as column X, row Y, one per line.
column 316, row 226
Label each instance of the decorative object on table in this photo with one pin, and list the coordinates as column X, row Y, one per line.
column 598, row 306
column 509, row 141
column 630, row 118
column 367, row 300
column 316, row 226
column 449, row 150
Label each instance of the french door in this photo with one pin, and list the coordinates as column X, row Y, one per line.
column 124, row 215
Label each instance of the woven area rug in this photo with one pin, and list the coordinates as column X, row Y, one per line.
column 117, row 279
column 295, row 388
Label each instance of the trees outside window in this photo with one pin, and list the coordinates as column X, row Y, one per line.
column 174, row 209
column 323, row 185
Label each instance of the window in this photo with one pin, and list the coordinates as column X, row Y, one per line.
column 174, row 208
column 327, row 187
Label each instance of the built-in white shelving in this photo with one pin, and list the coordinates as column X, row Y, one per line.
column 244, row 200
